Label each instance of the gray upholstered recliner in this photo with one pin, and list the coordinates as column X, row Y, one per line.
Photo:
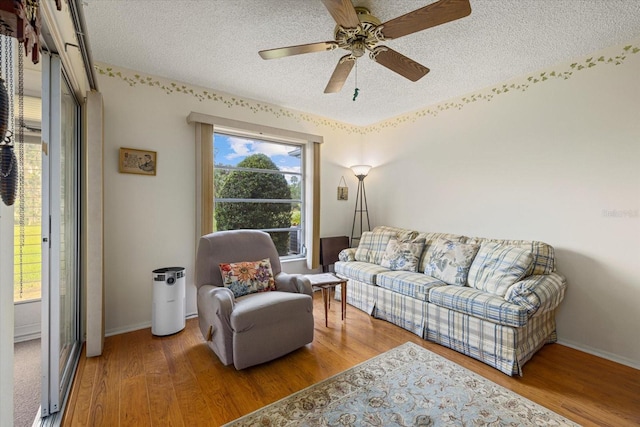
column 258, row 327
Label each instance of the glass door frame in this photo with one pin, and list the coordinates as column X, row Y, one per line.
column 57, row 374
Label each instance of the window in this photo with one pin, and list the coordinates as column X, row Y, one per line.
column 223, row 144
column 259, row 184
column 27, row 217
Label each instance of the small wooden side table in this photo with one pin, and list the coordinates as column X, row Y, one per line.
column 326, row 282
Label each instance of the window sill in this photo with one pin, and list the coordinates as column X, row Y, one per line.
column 28, row 301
column 295, row 266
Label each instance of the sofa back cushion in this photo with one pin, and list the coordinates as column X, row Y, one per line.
column 402, row 255
column 372, row 246
column 496, row 267
column 429, row 245
column 543, row 254
column 232, row 246
column 450, row 261
column 401, row 233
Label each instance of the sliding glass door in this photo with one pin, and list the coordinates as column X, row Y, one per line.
column 60, row 237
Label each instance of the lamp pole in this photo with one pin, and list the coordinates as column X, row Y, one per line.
column 361, row 172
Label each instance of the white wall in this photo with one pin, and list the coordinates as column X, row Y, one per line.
column 549, row 161
column 149, row 222
column 557, row 162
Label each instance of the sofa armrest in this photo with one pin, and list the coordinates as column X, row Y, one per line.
column 539, row 293
column 348, row 254
column 298, row 283
column 215, row 305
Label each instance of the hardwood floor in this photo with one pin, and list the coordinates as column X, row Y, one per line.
column 142, row 380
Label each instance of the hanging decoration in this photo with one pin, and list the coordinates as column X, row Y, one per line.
column 19, row 19
column 343, row 190
column 8, row 173
column 4, row 108
column 30, row 15
column 8, row 161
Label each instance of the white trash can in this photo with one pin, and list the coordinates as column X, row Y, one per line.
column 168, row 314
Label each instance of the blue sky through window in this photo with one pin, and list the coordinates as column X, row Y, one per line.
column 230, row 150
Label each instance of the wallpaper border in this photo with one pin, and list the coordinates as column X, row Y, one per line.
column 521, row 84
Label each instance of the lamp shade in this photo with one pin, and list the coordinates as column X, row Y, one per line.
column 361, row 170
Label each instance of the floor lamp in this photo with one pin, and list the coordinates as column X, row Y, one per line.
column 361, row 172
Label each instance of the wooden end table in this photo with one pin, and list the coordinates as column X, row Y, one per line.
column 326, row 282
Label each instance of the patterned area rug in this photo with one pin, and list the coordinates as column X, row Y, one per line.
column 406, row 386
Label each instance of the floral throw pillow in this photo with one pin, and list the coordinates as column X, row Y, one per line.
column 244, row 278
column 450, row 261
column 402, row 255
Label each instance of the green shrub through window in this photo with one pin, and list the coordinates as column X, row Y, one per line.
column 259, row 184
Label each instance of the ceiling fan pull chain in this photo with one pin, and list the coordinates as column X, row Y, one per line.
column 355, row 92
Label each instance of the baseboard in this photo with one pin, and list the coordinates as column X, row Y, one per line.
column 603, row 354
column 137, row 327
column 27, row 324
column 28, row 337
column 26, row 333
column 125, row 329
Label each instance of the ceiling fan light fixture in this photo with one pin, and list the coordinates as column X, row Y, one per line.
column 358, row 48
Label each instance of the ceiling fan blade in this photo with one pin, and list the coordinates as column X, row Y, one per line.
column 281, row 52
column 399, row 63
column 343, row 12
column 340, row 74
column 437, row 13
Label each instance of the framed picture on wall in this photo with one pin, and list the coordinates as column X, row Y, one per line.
column 343, row 193
column 343, row 190
column 142, row 162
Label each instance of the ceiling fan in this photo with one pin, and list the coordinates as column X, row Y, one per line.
column 357, row 31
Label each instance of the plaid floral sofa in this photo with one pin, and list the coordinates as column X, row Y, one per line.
column 494, row 300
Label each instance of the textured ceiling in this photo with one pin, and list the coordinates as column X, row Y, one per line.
column 215, row 44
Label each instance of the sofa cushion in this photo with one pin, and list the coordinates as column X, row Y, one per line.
column 450, row 261
column 414, row 285
column 348, row 254
column 496, row 267
column 479, row 304
column 402, row 255
column 429, row 241
column 372, row 246
column 358, row 270
column 248, row 277
column 543, row 254
column 401, row 233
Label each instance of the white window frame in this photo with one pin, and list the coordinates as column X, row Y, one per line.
column 300, row 145
column 308, row 142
